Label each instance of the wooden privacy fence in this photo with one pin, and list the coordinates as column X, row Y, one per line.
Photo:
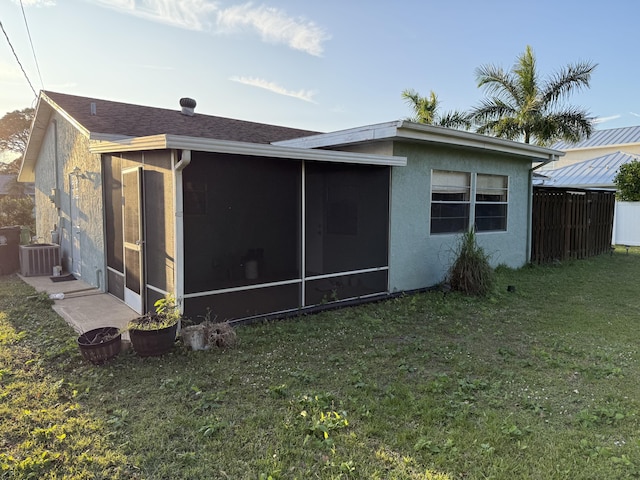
column 570, row 223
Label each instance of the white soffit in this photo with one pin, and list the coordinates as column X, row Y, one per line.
column 110, row 144
column 403, row 130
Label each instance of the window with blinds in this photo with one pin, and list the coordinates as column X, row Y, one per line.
column 462, row 199
column 450, row 201
column 491, row 202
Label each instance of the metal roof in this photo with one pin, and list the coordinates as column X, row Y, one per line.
column 601, row 138
column 595, row 173
column 411, row 132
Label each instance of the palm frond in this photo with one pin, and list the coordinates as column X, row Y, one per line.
column 521, row 107
column 455, row 119
column 525, row 72
column 491, row 109
column 572, row 78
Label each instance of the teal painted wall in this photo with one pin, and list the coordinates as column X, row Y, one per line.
column 418, row 259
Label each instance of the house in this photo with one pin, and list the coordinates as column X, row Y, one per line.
column 599, row 144
column 599, row 172
column 240, row 219
column 593, row 163
column 9, row 186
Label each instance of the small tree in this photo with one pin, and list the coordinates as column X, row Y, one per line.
column 14, row 135
column 14, row 130
column 628, row 182
column 17, row 211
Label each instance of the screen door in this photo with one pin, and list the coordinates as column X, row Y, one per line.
column 133, row 238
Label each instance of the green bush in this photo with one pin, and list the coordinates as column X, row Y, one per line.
column 471, row 273
column 628, row 182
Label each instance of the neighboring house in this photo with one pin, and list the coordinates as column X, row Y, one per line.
column 601, row 143
column 247, row 219
column 599, row 172
column 9, row 186
column 593, row 164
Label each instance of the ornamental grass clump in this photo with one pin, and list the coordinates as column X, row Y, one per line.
column 471, row 272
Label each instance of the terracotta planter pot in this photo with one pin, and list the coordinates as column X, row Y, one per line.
column 151, row 343
column 100, row 345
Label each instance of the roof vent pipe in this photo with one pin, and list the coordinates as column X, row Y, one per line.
column 93, row 108
column 188, row 106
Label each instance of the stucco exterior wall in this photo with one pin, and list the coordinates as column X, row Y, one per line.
column 64, row 148
column 418, row 259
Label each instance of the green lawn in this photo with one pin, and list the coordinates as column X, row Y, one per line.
column 541, row 383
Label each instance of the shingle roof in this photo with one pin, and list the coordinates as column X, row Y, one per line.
column 118, row 118
column 601, row 138
column 598, row 172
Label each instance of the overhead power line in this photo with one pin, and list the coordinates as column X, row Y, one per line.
column 31, row 43
column 17, row 59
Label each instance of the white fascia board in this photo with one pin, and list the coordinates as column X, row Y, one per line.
column 45, row 110
column 403, row 130
column 65, row 115
column 449, row 136
column 368, row 133
column 101, row 144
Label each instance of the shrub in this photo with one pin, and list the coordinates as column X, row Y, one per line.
column 628, row 182
column 471, row 273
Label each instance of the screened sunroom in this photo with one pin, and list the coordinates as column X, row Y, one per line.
column 240, row 233
column 265, row 235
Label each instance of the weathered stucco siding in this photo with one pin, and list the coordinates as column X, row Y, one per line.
column 418, row 259
column 45, row 181
column 63, row 149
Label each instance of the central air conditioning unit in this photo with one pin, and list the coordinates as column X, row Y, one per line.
column 39, row 259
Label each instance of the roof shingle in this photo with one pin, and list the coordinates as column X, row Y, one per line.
column 118, row 118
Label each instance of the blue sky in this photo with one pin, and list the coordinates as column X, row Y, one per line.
column 319, row 65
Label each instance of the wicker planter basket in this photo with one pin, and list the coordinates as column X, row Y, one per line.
column 100, row 345
column 151, row 343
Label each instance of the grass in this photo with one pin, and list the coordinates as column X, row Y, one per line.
column 540, row 383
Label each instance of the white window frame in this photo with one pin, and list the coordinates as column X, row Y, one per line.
column 492, row 188
column 450, row 182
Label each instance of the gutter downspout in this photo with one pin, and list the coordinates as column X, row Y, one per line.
column 552, row 158
column 185, row 160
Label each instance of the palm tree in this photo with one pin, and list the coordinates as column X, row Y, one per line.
column 520, row 106
column 426, row 111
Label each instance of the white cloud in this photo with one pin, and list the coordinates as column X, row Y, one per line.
column 37, row 3
column 187, row 14
column 272, row 24
column 635, row 114
column 306, row 95
column 598, row 120
column 275, row 26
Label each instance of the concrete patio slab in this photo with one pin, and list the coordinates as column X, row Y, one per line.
column 84, row 307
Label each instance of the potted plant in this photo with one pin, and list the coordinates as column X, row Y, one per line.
column 100, row 344
column 155, row 332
